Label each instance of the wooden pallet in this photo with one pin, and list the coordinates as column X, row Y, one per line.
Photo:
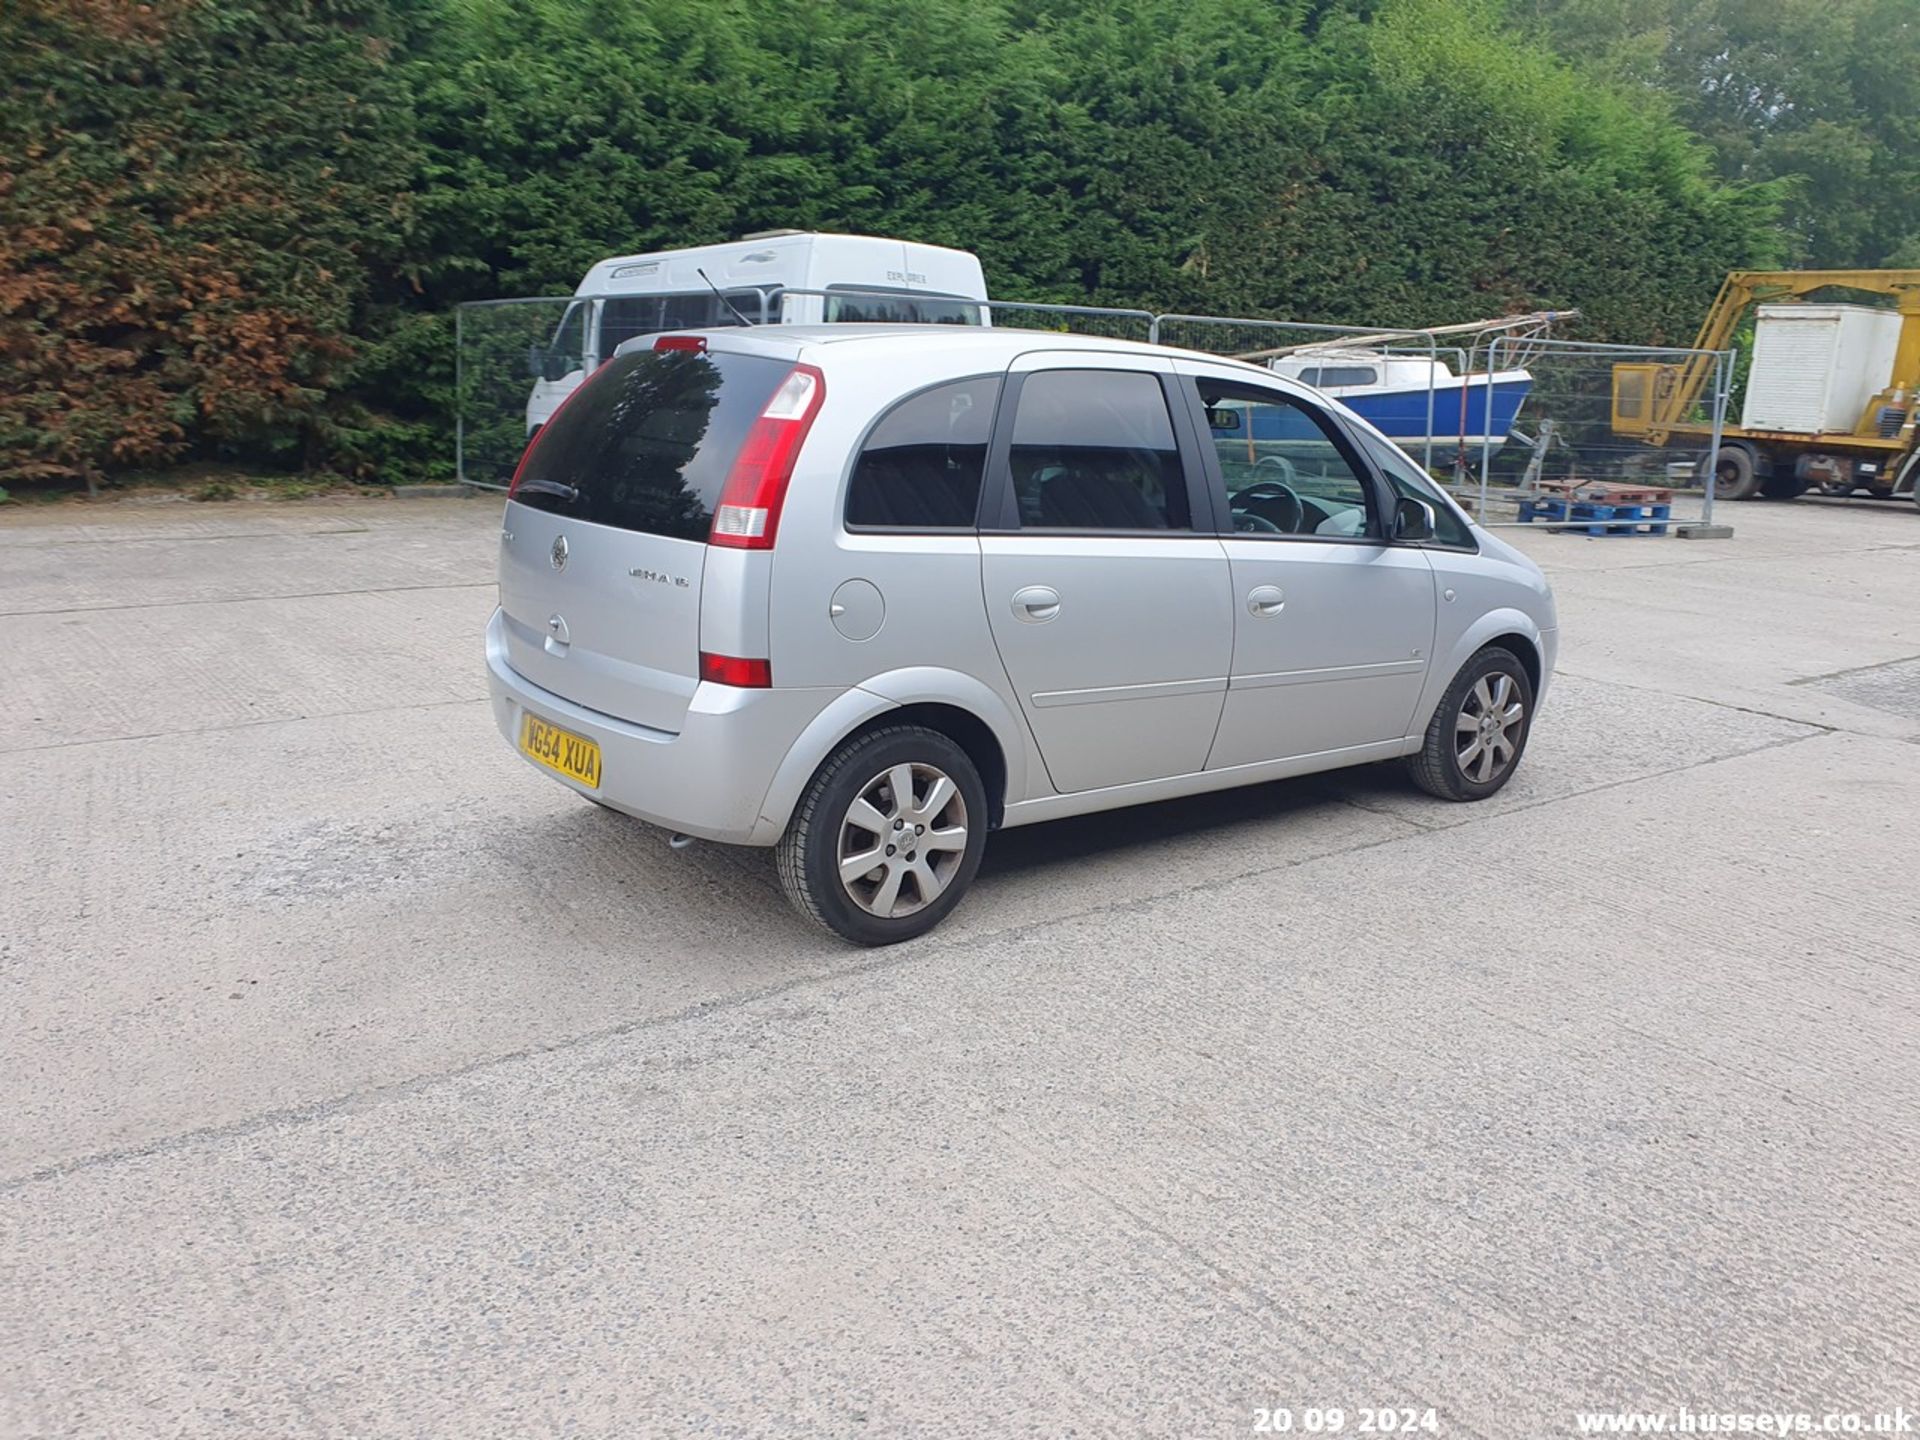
column 1600, row 520
column 1605, row 492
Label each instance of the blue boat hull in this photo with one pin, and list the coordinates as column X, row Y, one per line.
column 1476, row 411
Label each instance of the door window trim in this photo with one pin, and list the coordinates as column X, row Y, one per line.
column 1378, row 491
column 1000, row 506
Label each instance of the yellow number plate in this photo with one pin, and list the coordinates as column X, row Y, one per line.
column 573, row 756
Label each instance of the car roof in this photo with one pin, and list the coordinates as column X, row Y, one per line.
column 986, row 342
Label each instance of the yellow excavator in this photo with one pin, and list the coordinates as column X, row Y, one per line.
column 1833, row 391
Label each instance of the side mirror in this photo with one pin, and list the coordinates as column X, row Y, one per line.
column 1412, row 519
column 537, row 361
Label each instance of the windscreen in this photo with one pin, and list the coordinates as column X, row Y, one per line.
column 624, row 316
column 647, row 442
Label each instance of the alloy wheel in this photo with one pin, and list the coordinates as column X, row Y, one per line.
column 1487, row 730
column 903, row 838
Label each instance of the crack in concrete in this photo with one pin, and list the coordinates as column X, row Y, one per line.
column 1854, row 670
column 292, row 534
column 246, row 599
column 239, row 725
column 1718, row 704
column 897, row 957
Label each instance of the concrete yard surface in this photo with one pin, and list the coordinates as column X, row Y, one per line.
column 362, row 1082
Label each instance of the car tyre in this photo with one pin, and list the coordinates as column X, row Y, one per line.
column 909, row 800
column 1475, row 740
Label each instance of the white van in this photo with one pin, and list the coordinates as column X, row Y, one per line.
column 746, row 282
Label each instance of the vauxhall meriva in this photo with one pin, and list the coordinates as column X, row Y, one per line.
column 864, row 594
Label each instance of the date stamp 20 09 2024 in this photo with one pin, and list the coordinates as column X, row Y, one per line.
column 1342, row 1419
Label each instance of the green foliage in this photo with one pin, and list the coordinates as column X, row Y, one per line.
column 198, row 200
column 235, row 229
column 1823, row 95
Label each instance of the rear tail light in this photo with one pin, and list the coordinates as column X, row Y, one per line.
column 692, row 344
column 731, row 670
column 749, row 510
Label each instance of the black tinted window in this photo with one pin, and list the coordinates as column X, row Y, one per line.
column 1094, row 450
column 921, row 465
column 647, row 442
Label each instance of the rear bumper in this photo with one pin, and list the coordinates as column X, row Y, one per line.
column 709, row 780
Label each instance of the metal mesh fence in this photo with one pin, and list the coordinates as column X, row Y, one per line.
column 1523, row 429
column 516, row 360
column 510, row 355
column 1072, row 320
column 1339, row 358
column 1607, row 439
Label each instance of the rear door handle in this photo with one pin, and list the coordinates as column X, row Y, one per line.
column 1266, row 600
column 1035, row 604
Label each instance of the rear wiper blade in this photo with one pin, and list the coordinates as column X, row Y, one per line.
column 549, row 487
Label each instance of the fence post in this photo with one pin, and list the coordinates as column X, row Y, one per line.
column 1721, row 387
column 1486, row 425
column 1710, row 468
column 1433, row 377
column 460, row 394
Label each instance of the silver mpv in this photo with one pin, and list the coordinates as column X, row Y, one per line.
column 864, row 594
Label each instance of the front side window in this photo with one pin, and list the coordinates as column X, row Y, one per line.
column 566, row 351
column 1408, row 480
column 921, row 465
column 570, row 336
column 1286, row 474
column 1094, row 450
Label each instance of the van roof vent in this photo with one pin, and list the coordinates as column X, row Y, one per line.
column 771, row 234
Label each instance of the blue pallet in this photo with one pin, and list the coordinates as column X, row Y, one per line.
column 1606, row 519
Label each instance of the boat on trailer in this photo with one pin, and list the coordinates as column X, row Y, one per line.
column 1411, row 399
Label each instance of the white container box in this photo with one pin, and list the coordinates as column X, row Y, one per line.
column 1815, row 367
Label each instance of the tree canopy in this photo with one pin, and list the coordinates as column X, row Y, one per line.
column 235, row 228
column 1819, row 96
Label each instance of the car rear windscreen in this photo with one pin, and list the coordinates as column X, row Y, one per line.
column 645, row 444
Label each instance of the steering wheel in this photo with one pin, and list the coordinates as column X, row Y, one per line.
column 1246, row 522
column 1274, row 490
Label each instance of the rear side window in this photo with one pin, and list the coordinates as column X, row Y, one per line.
column 921, row 466
column 647, row 442
column 1094, row 450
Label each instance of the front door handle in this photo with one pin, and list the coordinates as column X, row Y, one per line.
column 1266, row 600
column 1036, row 603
